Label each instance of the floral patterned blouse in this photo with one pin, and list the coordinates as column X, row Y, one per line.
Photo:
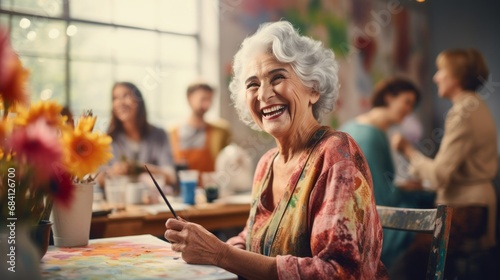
column 326, row 224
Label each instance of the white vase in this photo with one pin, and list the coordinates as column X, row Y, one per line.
column 71, row 226
column 19, row 257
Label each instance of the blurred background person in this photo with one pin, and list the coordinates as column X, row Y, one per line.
column 197, row 142
column 462, row 171
column 135, row 141
column 392, row 100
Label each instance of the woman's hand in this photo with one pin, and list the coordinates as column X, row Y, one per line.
column 400, row 144
column 197, row 245
column 119, row 168
column 411, row 185
column 166, row 171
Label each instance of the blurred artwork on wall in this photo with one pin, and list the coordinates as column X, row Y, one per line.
column 372, row 39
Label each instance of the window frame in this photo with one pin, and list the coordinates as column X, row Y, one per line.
column 67, row 19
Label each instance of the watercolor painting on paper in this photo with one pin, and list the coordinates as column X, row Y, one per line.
column 131, row 257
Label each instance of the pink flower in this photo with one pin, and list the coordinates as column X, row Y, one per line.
column 61, row 188
column 38, row 145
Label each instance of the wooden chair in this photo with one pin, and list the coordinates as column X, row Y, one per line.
column 436, row 221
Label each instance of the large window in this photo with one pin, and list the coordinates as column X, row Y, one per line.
column 76, row 49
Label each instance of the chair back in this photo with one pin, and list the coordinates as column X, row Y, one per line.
column 496, row 184
column 436, row 221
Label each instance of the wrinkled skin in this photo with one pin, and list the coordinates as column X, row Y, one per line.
column 197, row 245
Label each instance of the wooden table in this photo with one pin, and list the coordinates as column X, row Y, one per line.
column 134, row 221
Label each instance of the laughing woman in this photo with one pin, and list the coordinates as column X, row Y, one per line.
column 135, row 140
column 313, row 214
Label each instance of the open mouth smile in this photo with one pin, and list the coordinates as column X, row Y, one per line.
column 273, row 112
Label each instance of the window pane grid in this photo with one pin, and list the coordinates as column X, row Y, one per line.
column 43, row 8
column 94, row 47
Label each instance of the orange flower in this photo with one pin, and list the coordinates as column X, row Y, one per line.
column 49, row 110
column 86, row 123
column 86, row 151
column 14, row 76
column 5, row 128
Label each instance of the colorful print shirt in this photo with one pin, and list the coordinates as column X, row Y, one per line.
column 326, row 225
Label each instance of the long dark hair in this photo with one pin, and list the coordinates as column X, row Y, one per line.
column 141, row 120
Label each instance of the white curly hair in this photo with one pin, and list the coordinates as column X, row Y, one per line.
column 314, row 64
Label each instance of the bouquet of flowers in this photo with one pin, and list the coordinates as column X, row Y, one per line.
column 41, row 156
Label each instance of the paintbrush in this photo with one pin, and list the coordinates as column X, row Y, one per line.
column 162, row 194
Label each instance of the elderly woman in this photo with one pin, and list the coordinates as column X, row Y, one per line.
column 313, row 214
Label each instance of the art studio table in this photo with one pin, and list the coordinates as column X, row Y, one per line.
column 229, row 213
column 128, row 257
